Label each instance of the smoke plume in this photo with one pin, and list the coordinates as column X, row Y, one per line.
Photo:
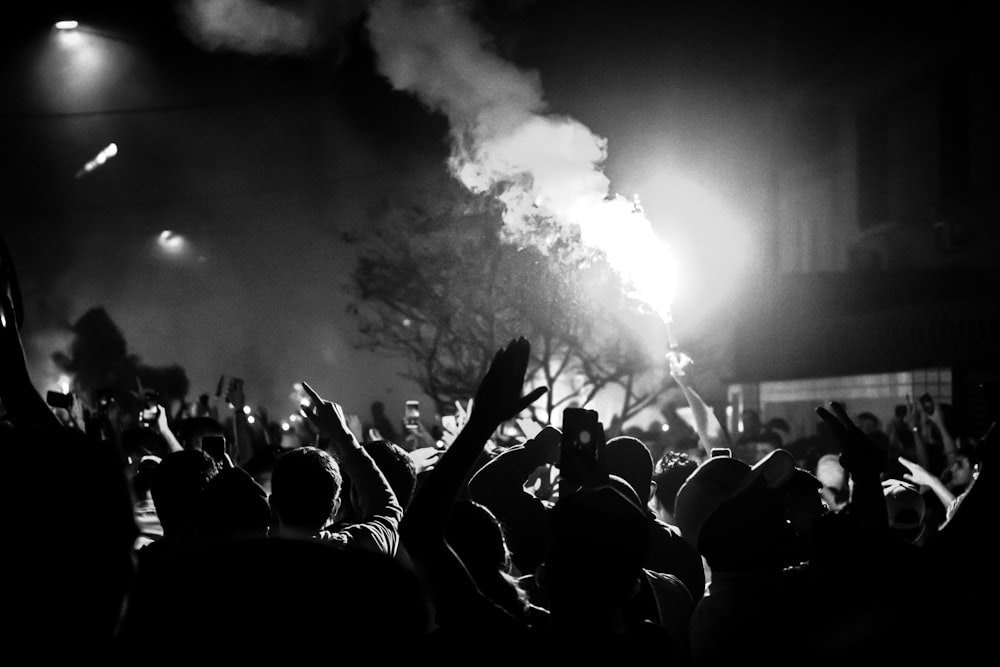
column 542, row 166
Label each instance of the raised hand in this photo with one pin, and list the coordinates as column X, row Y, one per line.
column 354, row 423
column 327, row 417
column 859, row 455
column 679, row 363
column 499, row 396
column 917, row 474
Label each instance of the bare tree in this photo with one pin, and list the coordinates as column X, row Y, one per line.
column 441, row 285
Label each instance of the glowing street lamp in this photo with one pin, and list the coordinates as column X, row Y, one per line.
column 67, row 24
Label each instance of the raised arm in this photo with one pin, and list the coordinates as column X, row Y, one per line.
column 710, row 431
column 865, row 462
column 918, row 475
column 378, row 509
column 456, row 596
column 25, row 407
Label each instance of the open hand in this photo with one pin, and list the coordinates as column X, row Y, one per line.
column 499, row 396
column 917, row 475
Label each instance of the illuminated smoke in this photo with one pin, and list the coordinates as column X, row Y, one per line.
column 260, row 27
column 541, row 166
column 40, row 350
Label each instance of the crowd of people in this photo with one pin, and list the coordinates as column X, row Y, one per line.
column 185, row 538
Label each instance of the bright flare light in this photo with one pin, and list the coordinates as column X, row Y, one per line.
column 67, row 25
column 250, row 420
column 106, row 154
column 246, row 410
column 171, row 242
column 285, row 426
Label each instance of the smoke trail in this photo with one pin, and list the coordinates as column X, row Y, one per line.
column 503, row 141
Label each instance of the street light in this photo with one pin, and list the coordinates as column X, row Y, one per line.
column 68, row 24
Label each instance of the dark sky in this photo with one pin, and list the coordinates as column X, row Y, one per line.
column 261, row 163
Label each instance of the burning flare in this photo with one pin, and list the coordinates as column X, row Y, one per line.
column 503, row 141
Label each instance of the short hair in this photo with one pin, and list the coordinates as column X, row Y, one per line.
column 395, row 464
column 305, row 488
column 672, row 470
column 178, row 483
column 629, row 458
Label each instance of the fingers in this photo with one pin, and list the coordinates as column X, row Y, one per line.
column 535, row 394
column 832, row 422
column 313, row 396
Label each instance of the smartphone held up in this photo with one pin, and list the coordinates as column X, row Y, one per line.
column 581, row 451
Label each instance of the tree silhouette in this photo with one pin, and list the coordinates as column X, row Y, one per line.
column 440, row 284
column 98, row 359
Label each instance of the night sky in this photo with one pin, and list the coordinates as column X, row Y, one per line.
column 262, row 163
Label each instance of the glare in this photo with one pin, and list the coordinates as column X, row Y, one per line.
column 251, row 420
column 246, row 410
column 171, row 242
column 65, row 382
column 285, row 426
column 67, row 25
column 665, row 428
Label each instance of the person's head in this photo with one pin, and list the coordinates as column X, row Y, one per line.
column 599, row 542
column 900, row 411
column 142, row 481
column 868, row 423
column 191, row 430
column 803, row 502
column 233, row 507
column 758, row 446
column 672, row 471
column 735, row 515
column 261, row 466
column 629, row 459
column 305, row 491
column 178, row 483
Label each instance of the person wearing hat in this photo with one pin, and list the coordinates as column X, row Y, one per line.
column 735, row 516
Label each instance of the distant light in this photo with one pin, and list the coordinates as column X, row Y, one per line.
column 250, row 420
column 172, row 242
column 67, row 25
column 665, row 428
column 285, row 426
column 247, row 410
column 407, row 321
column 293, row 418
